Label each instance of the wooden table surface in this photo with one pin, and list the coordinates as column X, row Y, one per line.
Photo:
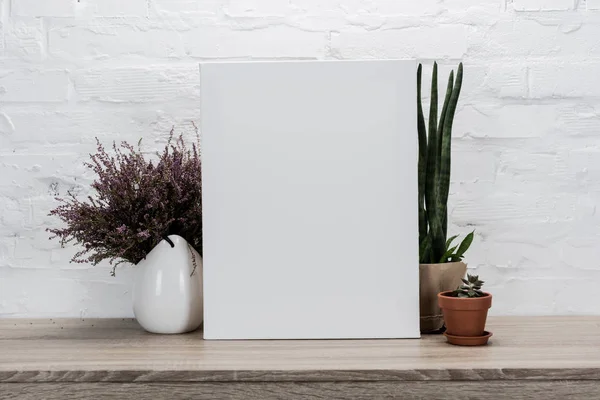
column 115, row 358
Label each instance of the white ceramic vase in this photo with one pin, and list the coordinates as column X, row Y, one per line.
column 167, row 291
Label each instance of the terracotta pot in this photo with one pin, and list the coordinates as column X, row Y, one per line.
column 433, row 279
column 464, row 316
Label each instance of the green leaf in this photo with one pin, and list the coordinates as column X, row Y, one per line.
column 425, row 250
column 465, row 244
column 447, row 254
column 433, row 107
column 444, row 174
column 443, row 214
column 434, row 162
column 422, row 132
column 449, row 90
column 434, row 212
column 420, row 117
column 422, row 222
column 449, row 241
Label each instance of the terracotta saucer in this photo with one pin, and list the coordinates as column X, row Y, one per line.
column 469, row 340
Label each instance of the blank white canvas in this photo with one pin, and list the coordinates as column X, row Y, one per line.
column 310, row 199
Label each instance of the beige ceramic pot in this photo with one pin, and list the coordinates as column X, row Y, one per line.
column 433, row 279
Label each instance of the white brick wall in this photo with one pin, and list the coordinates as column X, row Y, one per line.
column 543, row 5
column 593, row 4
column 47, row 8
column 28, row 85
column 527, row 138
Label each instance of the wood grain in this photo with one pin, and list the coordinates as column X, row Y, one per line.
column 118, row 351
column 496, row 390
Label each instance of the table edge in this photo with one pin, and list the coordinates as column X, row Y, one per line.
column 382, row 375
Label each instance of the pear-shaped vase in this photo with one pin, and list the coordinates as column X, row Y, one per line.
column 167, row 291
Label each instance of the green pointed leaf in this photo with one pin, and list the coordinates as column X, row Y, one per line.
column 449, row 90
column 420, row 117
column 434, row 212
column 438, row 240
column 443, row 205
column 425, row 251
column 444, row 174
column 435, row 162
column 433, row 107
column 465, row 244
column 449, row 241
column 422, row 132
column 422, row 220
column 447, row 254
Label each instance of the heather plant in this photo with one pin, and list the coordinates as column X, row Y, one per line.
column 136, row 203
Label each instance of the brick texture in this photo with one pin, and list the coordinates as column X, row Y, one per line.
column 526, row 164
column 543, row 5
column 47, row 8
column 593, row 4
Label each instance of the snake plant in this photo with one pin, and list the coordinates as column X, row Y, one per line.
column 434, row 172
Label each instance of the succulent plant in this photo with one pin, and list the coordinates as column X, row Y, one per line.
column 470, row 288
column 434, row 172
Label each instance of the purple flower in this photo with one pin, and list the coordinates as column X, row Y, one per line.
column 153, row 199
